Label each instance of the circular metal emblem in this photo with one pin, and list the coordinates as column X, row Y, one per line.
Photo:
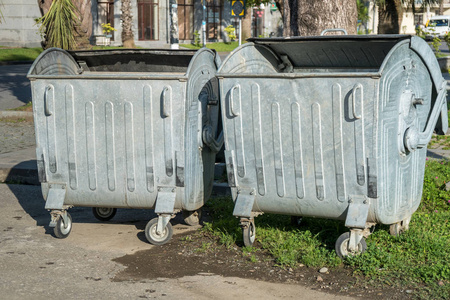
column 237, row 7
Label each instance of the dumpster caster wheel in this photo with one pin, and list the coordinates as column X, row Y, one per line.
column 296, row 220
column 104, row 213
column 249, row 233
column 192, row 218
column 62, row 230
column 341, row 246
column 152, row 235
column 400, row 227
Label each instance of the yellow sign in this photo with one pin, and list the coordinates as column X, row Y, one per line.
column 237, row 8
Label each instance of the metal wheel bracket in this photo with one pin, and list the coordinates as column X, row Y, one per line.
column 244, row 203
column 356, row 235
column 55, row 215
column 165, row 201
column 163, row 220
column 358, row 210
column 245, row 222
column 405, row 223
column 370, row 227
column 400, row 227
column 55, row 197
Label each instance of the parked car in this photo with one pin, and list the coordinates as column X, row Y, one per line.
column 437, row 26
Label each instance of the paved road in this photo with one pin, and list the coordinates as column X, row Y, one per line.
column 15, row 88
column 35, row 265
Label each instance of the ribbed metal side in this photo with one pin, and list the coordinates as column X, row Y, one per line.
column 301, row 149
column 112, row 148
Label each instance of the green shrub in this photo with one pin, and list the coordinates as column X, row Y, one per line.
column 197, row 39
column 231, row 32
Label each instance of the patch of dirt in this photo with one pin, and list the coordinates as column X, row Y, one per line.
column 198, row 254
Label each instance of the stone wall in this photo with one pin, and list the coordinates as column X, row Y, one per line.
column 18, row 27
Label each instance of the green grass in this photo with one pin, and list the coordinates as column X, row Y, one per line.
column 419, row 259
column 219, row 47
column 26, row 107
column 312, row 245
column 19, row 54
column 441, row 140
column 435, row 197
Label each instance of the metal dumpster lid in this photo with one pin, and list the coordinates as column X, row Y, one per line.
column 342, row 51
column 134, row 60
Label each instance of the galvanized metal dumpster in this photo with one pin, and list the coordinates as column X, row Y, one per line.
column 330, row 127
column 126, row 129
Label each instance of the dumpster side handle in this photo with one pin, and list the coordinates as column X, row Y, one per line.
column 355, row 88
column 334, row 30
column 208, row 133
column 232, row 108
column 48, row 100
column 210, row 141
column 167, row 99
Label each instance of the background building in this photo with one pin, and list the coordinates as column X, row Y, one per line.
column 18, row 28
column 409, row 20
column 150, row 21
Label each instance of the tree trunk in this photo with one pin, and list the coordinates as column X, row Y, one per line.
column 390, row 17
column 304, row 17
column 83, row 30
column 127, row 25
column 246, row 24
column 44, row 6
column 441, row 7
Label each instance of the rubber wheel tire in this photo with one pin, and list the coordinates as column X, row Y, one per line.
column 62, row 230
column 153, row 237
column 341, row 246
column 296, row 220
column 192, row 218
column 399, row 228
column 104, row 213
column 249, row 234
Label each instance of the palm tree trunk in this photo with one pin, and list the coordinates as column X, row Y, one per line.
column 127, row 25
column 390, row 17
column 44, row 6
column 83, row 29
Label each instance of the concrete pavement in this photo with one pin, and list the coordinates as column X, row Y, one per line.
column 35, row 265
column 14, row 86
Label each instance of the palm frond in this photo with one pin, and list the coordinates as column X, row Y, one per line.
column 58, row 24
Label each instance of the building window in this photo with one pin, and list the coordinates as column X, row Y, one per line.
column 213, row 19
column 186, row 19
column 148, row 23
column 105, row 13
column 418, row 18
